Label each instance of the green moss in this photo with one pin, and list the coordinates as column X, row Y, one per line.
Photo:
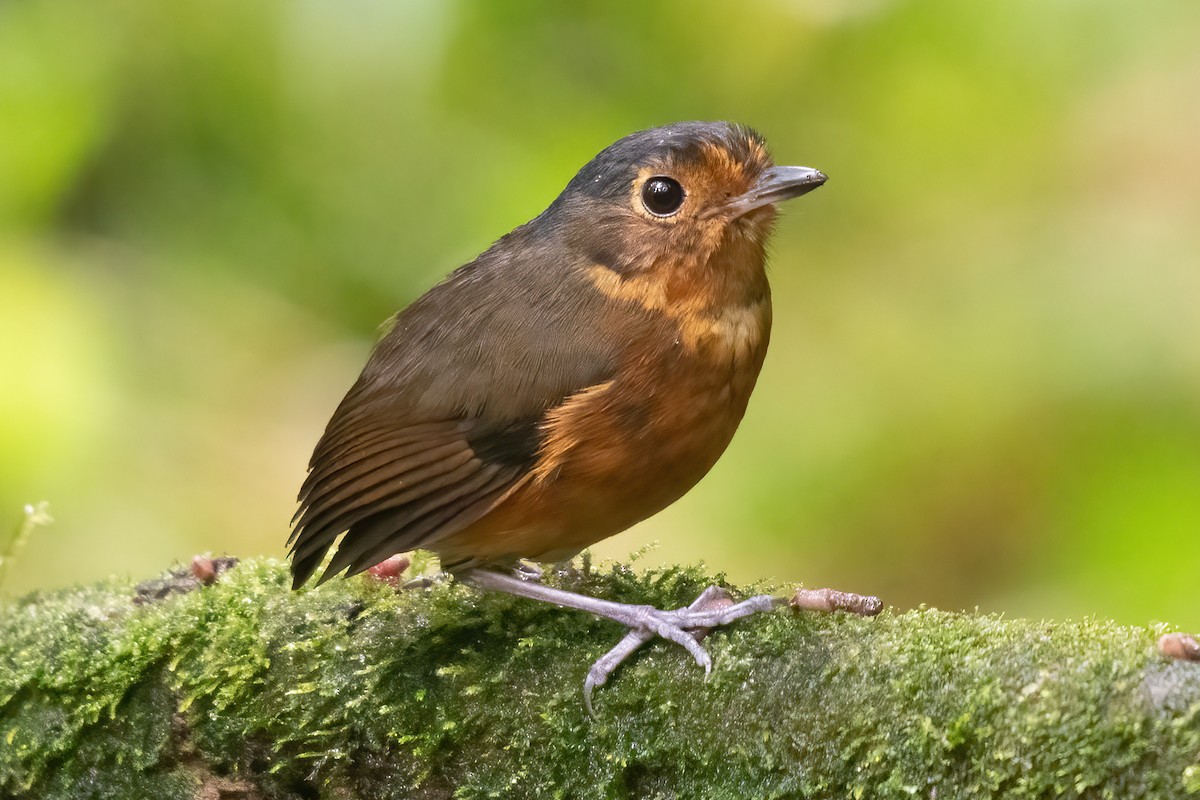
column 357, row 690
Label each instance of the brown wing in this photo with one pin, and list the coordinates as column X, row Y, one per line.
column 446, row 417
column 404, row 487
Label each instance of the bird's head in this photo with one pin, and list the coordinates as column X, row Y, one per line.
column 679, row 192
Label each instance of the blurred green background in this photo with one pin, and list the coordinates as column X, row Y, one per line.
column 984, row 384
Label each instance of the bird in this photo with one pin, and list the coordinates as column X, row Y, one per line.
column 577, row 377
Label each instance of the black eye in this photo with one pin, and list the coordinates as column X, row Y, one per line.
column 662, row 196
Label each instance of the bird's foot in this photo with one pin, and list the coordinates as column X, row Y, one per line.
column 684, row 626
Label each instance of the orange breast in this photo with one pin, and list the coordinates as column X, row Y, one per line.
column 623, row 450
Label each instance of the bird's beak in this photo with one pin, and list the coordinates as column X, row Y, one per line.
column 776, row 184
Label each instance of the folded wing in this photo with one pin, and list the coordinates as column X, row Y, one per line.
column 446, row 417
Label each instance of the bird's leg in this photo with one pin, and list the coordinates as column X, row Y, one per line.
column 684, row 626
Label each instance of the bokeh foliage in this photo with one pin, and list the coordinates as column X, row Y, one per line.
column 984, row 384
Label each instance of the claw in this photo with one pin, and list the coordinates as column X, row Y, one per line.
column 684, row 626
column 605, row 665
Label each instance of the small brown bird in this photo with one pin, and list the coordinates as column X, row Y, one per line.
column 579, row 376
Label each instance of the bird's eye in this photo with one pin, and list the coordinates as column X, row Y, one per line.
column 661, row 196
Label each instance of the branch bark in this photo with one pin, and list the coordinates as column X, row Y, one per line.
column 356, row 689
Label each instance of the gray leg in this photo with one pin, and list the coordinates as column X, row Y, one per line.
column 684, row 626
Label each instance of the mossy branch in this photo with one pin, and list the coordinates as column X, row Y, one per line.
column 357, row 690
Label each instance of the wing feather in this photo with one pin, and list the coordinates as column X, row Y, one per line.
column 333, row 453
column 327, row 524
column 367, row 481
column 375, row 538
